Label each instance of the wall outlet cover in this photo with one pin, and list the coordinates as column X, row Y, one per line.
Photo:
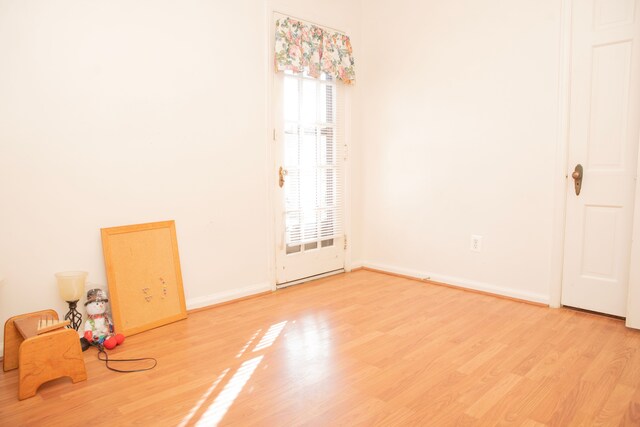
column 476, row 243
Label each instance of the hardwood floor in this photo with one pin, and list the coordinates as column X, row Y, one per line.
column 358, row 349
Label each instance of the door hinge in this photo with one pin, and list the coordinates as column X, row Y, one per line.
column 274, row 134
column 345, row 243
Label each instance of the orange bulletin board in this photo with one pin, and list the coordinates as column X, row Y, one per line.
column 144, row 276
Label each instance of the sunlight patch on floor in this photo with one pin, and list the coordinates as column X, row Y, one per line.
column 246, row 346
column 203, row 398
column 229, row 393
column 270, row 337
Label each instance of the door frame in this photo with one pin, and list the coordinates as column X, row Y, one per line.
column 633, row 296
column 271, row 165
column 561, row 183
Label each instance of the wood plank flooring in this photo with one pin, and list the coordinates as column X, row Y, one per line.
column 362, row 348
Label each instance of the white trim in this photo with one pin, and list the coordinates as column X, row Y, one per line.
column 633, row 295
column 562, row 148
column 346, row 169
column 270, row 147
column 224, row 296
column 462, row 283
column 310, row 278
column 2, row 351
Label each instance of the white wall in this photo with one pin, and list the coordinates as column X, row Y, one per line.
column 459, row 138
column 125, row 112
column 122, row 112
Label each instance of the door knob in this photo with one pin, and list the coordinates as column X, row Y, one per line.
column 577, row 178
column 282, row 173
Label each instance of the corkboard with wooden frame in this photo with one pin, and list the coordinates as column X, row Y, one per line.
column 144, row 276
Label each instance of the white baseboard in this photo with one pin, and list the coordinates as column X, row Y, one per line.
column 462, row 283
column 224, row 296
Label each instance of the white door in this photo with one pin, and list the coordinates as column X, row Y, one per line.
column 603, row 138
column 309, row 176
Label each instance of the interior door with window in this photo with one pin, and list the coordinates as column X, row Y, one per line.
column 603, row 143
column 310, row 161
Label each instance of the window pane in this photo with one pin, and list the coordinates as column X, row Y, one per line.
column 326, row 103
column 311, row 157
column 327, row 147
column 291, row 147
column 309, row 101
column 292, row 190
column 327, row 178
column 292, row 227
column 291, row 99
column 309, row 224
column 293, row 249
column 328, row 242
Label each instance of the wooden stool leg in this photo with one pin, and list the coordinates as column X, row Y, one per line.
column 47, row 357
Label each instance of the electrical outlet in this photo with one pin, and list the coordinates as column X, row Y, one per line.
column 476, row 243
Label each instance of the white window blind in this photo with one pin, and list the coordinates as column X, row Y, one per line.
column 313, row 157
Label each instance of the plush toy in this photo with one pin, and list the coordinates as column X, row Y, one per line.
column 99, row 328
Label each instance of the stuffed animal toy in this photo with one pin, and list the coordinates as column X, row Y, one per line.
column 99, row 328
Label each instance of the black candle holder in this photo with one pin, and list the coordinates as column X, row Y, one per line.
column 73, row 315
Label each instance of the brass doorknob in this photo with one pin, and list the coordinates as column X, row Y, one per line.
column 577, row 178
column 281, row 173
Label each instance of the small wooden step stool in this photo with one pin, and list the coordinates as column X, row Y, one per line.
column 42, row 349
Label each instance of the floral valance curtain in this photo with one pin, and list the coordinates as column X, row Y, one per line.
column 305, row 47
